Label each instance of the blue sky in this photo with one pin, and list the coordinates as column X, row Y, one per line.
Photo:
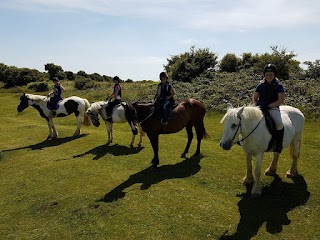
column 133, row 39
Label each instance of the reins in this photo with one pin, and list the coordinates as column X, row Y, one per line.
column 239, row 141
column 151, row 114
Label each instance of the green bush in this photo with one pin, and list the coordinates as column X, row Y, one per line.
column 82, row 83
column 38, row 86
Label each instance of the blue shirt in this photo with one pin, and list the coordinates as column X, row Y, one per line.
column 268, row 92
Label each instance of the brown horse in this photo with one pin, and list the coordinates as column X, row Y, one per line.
column 189, row 112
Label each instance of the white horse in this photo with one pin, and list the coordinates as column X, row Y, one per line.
column 120, row 114
column 67, row 106
column 249, row 124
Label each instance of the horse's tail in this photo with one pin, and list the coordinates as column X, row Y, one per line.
column 86, row 119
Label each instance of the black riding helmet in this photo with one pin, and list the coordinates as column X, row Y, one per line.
column 270, row 68
column 55, row 79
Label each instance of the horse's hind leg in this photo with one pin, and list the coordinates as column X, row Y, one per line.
column 200, row 134
column 272, row 169
column 79, row 122
column 295, row 153
column 190, row 137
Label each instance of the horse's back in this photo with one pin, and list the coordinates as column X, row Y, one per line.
column 295, row 115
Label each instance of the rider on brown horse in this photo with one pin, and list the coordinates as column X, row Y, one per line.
column 164, row 98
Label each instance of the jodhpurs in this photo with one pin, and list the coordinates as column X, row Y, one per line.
column 276, row 116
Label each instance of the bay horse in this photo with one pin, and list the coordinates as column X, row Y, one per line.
column 189, row 113
column 250, row 125
column 67, row 106
column 121, row 113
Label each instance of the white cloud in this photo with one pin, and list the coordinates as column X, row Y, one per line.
column 199, row 14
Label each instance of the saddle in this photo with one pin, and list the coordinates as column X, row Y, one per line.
column 160, row 111
column 52, row 106
column 272, row 129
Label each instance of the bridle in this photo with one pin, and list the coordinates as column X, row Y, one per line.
column 239, row 126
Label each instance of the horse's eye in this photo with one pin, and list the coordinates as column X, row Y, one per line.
column 233, row 126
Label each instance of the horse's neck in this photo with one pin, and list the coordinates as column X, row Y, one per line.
column 255, row 127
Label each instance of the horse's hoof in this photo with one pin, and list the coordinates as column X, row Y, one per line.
column 131, row 145
column 255, row 194
column 247, row 181
column 183, row 155
column 139, row 145
column 155, row 162
column 289, row 174
column 269, row 172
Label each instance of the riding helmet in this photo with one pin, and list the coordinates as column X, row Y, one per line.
column 270, row 68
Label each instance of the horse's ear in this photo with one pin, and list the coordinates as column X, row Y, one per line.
column 229, row 106
column 240, row 111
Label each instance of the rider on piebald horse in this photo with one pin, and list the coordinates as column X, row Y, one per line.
column 164, row 98
column 269, row 95
column 116, row 95
column 58, row 89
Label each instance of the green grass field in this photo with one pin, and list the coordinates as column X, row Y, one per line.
column 81, row 189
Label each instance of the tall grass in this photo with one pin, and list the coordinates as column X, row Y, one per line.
column 78, row 188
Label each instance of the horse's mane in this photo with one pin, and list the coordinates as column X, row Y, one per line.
column 249, row 112
column 96, row 106
column 36, row 98
column 252, row 112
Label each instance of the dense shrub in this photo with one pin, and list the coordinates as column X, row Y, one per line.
column 38, row 86
column 82, row 83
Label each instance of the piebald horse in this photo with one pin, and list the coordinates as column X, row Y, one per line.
column 249, row 124
column 188, row 114
column 121, row 114
column 67, row 106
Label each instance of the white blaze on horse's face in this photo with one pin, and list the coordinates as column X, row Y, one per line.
column 231, row 122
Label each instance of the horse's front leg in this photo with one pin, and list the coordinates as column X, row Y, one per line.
column 256, row 190
column 190, row 137
column 52, row 130
column 132, row 140
column 154, row 140
column 272, row 169
column 249, row 176
column 109, row 131
column 79, row 122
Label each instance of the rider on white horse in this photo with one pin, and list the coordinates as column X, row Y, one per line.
column 269, row 95
column 116, row 95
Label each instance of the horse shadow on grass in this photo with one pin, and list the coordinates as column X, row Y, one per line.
column 48, row 143
column 116, row 150
column 271, row 207
column 150, row 176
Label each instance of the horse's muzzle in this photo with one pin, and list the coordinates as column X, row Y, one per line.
column 225, row 145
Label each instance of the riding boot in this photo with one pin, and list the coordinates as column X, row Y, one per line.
column 53, row 113
column 279, row 140
column 164, row 120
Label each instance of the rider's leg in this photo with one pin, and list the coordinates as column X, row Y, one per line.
column 276, row 116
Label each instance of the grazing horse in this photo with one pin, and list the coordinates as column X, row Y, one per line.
column 121, row 114
column 189, row 112
column 66, row 107
column 250, row 124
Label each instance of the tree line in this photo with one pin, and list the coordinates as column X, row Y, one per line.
column 184, row 67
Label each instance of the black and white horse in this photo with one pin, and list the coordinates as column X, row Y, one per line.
column 121, row 113
column 67, row 106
